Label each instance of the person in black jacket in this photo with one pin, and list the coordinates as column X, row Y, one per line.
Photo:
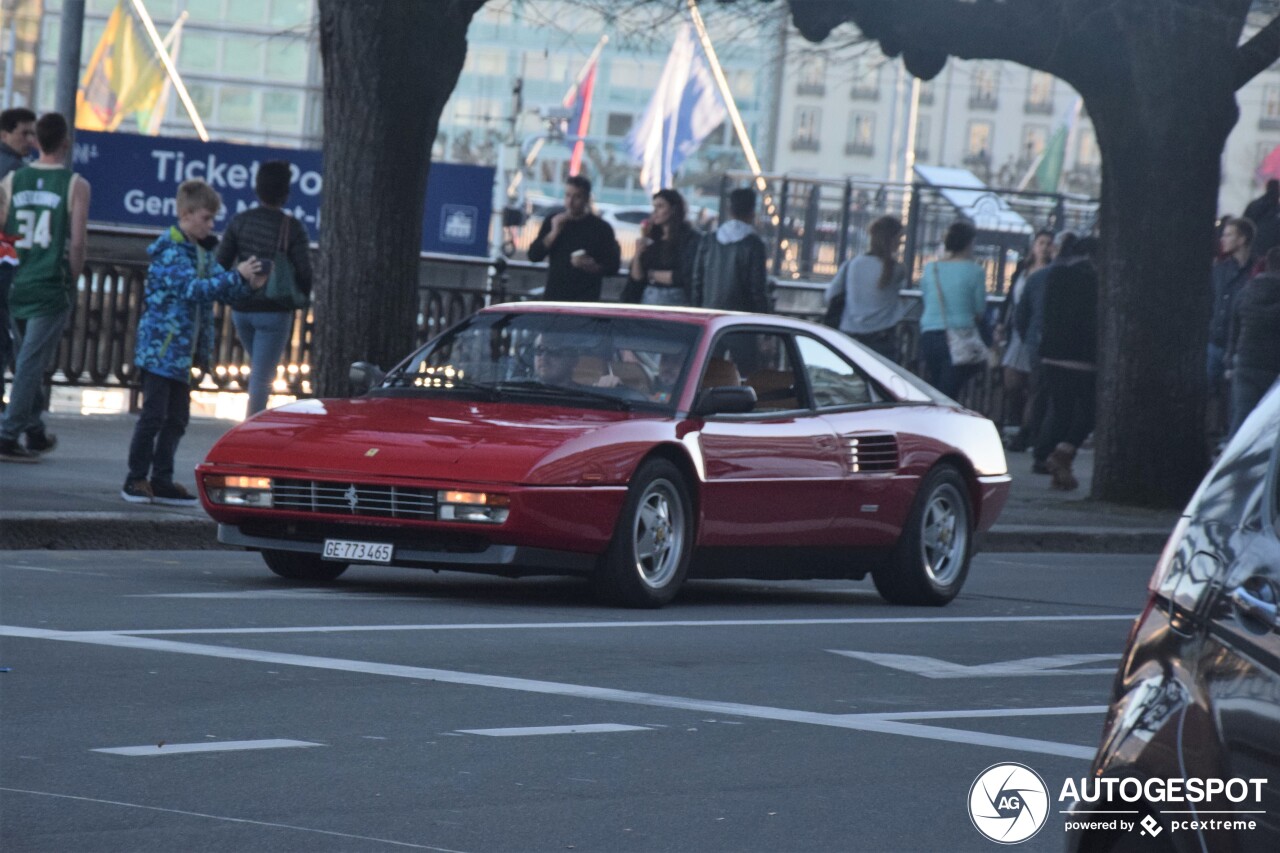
column 1069, row 359
column 580, row 247
column 662, row 269
column 1254, row 350
column 262, row 324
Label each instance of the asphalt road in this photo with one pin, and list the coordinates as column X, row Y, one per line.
column 191, row 701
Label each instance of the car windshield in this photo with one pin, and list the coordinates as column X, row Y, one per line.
column 559, row 359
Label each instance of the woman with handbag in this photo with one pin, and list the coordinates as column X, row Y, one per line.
column 263, row 321
column 863, row 299
column 953, row 292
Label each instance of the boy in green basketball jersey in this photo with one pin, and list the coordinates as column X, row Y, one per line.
column 47, row 206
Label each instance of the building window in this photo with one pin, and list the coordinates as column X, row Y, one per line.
column 245, row 11
column 813, row 75
column 807, row 129
column 282, row 110
column 489, row 63
column 866, row 79
column 1270, row 117
column 199, row 53
column 238, row 107
column 287, row 60
column 926, row 93
column 287, row 14
column 1034, row 138
column 619, row 124
column 977, row 150
column 984, row 84
column 1039, row 93
column 242, row 56
column 1087, row 153
column 862, row 135
column 922, row 138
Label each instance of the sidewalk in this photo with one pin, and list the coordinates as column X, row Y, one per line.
column 72, row 500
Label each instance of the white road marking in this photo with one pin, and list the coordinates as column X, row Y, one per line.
column 231, row 819
column 938, row 668
column 577, row 691
column 675, row 623
column 254, row 594
column 32, row 568
column 589, row 728
column 205, row 746
column 1062, row 711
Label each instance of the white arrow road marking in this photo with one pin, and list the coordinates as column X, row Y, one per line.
column 937, row 668
column 205, row 746
column 590, row 728
column 553, row 688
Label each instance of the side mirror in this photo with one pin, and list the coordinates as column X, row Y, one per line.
column 725, row 400
column 365, row 375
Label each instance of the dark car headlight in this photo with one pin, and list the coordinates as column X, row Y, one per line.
column 239, row 491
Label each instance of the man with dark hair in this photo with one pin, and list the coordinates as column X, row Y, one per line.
column 17, row 138
column 580, row 247
column 1229, row 275
column 1254, row 347
column 1264, row 205
column 729, row 270
column 47, row 206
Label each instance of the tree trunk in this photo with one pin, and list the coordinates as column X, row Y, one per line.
column 389, row 68
column 1162, row 136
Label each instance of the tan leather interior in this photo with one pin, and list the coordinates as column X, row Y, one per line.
column 632, row 375
column 775, row 389
column 588, row 370
column 720, row 372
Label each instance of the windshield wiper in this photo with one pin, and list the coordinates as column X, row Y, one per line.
column 533, row 386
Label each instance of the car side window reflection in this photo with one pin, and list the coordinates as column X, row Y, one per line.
column 761, row 360
column 835, row 382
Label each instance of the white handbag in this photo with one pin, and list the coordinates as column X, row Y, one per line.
column 964, row 343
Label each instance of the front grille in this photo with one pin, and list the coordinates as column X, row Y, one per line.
column 359, row 499
column 872, row 454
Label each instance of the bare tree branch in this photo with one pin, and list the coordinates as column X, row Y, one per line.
column 1258, row 53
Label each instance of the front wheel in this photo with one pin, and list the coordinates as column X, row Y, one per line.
column 652, row 542
column 302, row 567
column 929, row 564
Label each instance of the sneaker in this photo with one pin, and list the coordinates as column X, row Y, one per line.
column 172, row 494
column 137, row 492
column 39, row 441
column 11, row 451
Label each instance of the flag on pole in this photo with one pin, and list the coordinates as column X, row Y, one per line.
column 123, row 76
column 579, row 101
column 685, row 107
column 1048, row 174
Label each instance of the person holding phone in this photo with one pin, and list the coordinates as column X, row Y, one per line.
column 661, row 271
column 262, row 324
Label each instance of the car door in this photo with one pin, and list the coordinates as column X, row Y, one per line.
column 872, row 499
column 772, row 473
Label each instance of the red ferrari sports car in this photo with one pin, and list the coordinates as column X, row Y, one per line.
column 634, row 446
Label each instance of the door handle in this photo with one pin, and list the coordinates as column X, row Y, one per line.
column 1253, row 606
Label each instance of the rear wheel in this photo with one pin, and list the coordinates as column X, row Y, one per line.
column 931, row 560
column 649, row 556
column 302, row 567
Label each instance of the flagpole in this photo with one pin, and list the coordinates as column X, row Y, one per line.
column 172, row 44
column 169, row 68
column 568, row 98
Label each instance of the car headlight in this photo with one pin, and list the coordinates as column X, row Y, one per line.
column 239, row 491
column 483, row 507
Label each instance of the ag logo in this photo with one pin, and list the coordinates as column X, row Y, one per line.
column 1008, row 803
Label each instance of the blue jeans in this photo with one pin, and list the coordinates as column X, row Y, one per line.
column 938, row 369
column 37, row 349
column 166, row 409
column 1248, row 386
column 263, row 335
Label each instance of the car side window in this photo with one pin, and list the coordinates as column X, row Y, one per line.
column 834, row 380
column 762, row 360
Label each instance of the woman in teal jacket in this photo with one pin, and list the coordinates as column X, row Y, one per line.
column 957, row 281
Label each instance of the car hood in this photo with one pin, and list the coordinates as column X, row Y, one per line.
column 441, row 439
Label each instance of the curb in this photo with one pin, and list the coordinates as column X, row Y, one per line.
column 108, row 531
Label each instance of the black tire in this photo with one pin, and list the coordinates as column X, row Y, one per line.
column 931, row 559
column 652, row 542
column 302, row 567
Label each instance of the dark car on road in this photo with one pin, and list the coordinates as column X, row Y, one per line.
column 1190, row 752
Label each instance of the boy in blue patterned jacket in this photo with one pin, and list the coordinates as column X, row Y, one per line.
column 175, row 331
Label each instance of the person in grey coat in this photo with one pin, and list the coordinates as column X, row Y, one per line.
column 729, row 269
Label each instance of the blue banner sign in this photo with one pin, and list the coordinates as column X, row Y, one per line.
column 134, row 180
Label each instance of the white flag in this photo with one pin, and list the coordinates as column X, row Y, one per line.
column 685, row 108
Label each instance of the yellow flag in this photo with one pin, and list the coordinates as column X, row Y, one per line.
column 124, row 75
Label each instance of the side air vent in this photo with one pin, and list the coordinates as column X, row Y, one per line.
column 872, row 453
